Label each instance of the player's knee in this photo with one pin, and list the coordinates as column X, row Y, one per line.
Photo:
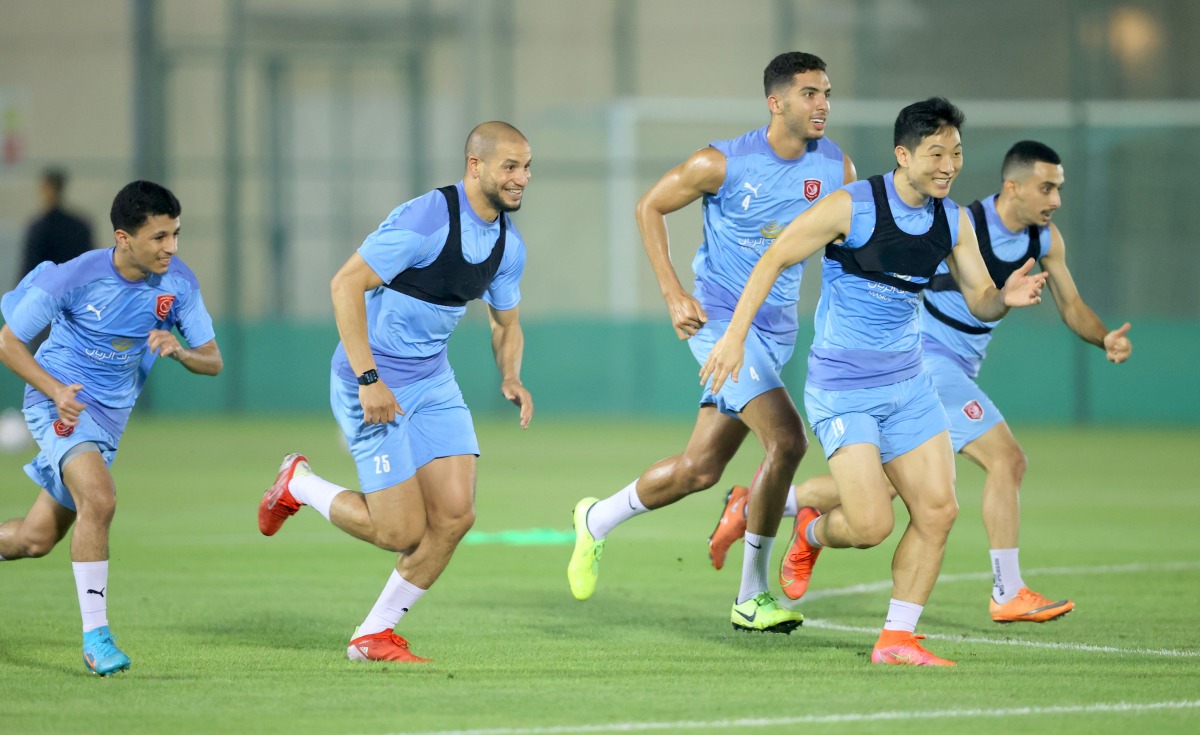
column 1014, row 464
column 451, row 527
column 699, row 474
column 786, row 450
column 870, row 530
column 402, row 538
column 34, row 545
column 937, row 516
column 97, row 507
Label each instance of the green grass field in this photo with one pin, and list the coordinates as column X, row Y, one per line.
column 231, row 632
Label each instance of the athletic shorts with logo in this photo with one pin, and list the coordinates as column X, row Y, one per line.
column 56, row 439
column 970, row 411
column 896, row 418
column 764, row 360
column 436, row 423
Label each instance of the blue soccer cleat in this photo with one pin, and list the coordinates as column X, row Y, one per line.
column 100, row 653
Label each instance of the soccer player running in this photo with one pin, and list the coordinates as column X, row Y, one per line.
column 752, row 186
column 393, row 391
column 872, row 405
column 110, row 313
column 1011, row 226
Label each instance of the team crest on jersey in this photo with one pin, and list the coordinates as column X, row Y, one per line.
column 120, row 345
column 812, row 189
column 162, row 306
column 973, row 410
column 62, row 429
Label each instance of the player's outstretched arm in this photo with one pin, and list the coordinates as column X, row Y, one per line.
column 508, row 345
column 1076, row 314
column 203, row 360
column 984, row 300
column 826, row 221
column 702, row 173
column 350, row 312
column 16, row 357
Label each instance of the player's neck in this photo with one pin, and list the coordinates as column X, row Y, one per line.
column 483, row 208
column 1007, row 209
column 906, row 192
column 786, row 145
column 126, row 268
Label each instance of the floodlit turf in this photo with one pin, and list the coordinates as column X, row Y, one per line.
column 231, row 632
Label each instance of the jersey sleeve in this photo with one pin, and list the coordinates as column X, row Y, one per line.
column 29, row 308
column 505, row 291
column 193, row 320
column 410, row 236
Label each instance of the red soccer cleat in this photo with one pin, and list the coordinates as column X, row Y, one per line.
column 278, row 504
column 383, row 646
column 796, row 567
column 731, row 527
column 901, row 648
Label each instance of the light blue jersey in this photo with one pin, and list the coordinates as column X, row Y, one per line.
column 408, row 336
column 968, row 349
column 761, row 194
column 100, row 324
column 866, row 331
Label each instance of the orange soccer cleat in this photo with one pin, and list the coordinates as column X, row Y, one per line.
column 901, row 648
column 1030, row 607
column 383, row 646
column 731, row 527
column 796, row 567
column 278, row 504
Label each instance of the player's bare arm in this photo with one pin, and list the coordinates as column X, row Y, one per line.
column 202, row 360
column 508, row 346
column 350, row 312
column 1076, row 314
column 983, row 298
column 826, row 221
column 702, row 173
column 849, row 174
column 16, row 357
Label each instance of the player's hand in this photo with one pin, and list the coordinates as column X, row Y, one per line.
column 1116, row 345
column 379, row 403
column 164, row 343
column 1022, row 289
column 514, row 391
column 723, row 362
column 687, row 315
column 68, row 407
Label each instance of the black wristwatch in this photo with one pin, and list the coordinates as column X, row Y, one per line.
column 371, row 376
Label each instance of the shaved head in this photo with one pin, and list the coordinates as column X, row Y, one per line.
column 482, row 141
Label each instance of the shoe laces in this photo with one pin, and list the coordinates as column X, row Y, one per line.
column 103, row 646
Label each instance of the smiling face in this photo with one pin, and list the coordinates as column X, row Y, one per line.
column 1036, row 192
column 504, row 173
column 803, row 106
column 148, row 250
column 932, row 166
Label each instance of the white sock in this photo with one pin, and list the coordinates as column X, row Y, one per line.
column 1006, row 575
column 810, row 534
column 397, row 597
column 314, row 491
column 754, row 566
column 614, row 510
column 91, row 584
column 902, row 615
column 790, row 509
column 2, row 558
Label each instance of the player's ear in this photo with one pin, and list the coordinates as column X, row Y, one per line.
column 122, row 237
column 902, row 156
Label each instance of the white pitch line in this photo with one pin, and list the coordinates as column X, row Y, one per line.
column 1082, row 709
column 813, row 623
column 857, row 589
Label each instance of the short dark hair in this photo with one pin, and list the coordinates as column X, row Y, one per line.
column 782, row 69
column 138, row 202
column 922, row 119
column 56, row 179
column 1024, row 154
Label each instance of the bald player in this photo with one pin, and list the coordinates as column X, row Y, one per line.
column 392, row 389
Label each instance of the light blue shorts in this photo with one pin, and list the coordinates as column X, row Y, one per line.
column 897, row 418
column 436, row 423
column 970, row 412
column 56, row 439
column 764, row 359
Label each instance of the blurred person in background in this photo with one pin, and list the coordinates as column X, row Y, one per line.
column 110, row 313
column 751, row 187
